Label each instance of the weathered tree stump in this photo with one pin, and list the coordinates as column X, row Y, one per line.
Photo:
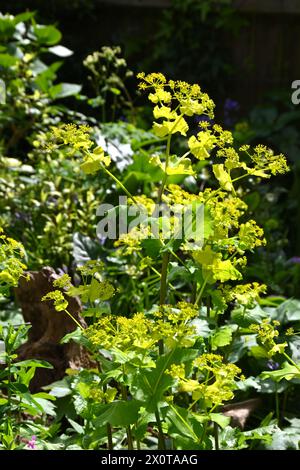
column 48, row 328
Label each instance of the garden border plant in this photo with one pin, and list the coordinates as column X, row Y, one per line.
column 158, row 375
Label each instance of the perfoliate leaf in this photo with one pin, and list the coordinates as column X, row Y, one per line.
column 223, row 177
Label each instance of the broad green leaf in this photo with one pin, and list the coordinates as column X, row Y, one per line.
column 63, row 90
column 288, row 372
column 118, row 413
column 152, row 247
column 7, row 60
column 48, row 35
column 186, row 429
column 23, row 17
column 244, row 317
column 60, row 388
column 150, row 386
column 77, row 427
column 220, row 419
column 34, row 363
column 221, row 337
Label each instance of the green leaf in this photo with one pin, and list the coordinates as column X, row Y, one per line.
column 7, row 60
column 220, row 419
column 23, row 17
column 223, row 177
column 77, row 427
column 85, row 248
column 221, row 337
column 59, row 389
column 244, row 317
column 47, row 35
column 152, row 247
column 288, row 372
column 186, row 429
column 150, row 385
column 34, row 363
column 63, row 90
column 46, row 405
column 119, row 413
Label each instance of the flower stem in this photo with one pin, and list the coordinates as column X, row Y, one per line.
column 200, row 293
column 163, row 290
column 161, row 439
column 163, row 279
column 74, row 320
column 120, row 184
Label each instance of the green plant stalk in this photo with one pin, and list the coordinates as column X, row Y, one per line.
column 120, row 184
column 291, row 360
column 163, row 279
column 200, row 293
column 74, row 320
column 161, row 189
column 277, row 405
column 216, row 436
column 163, row 290
column 9, row 417
column 128, row 428
column 161, row 439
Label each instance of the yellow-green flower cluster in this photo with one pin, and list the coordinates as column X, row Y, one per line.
column 76, row 137
column 170, row 324
column 11, row 266
column 59, row 300
column 187, row 100
column 78, row 140
column 207, row 140
column 213, row 382
column 267, row 332
column 244, row 294
column 214, row 268
column 122, row 333
column 131, row 242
